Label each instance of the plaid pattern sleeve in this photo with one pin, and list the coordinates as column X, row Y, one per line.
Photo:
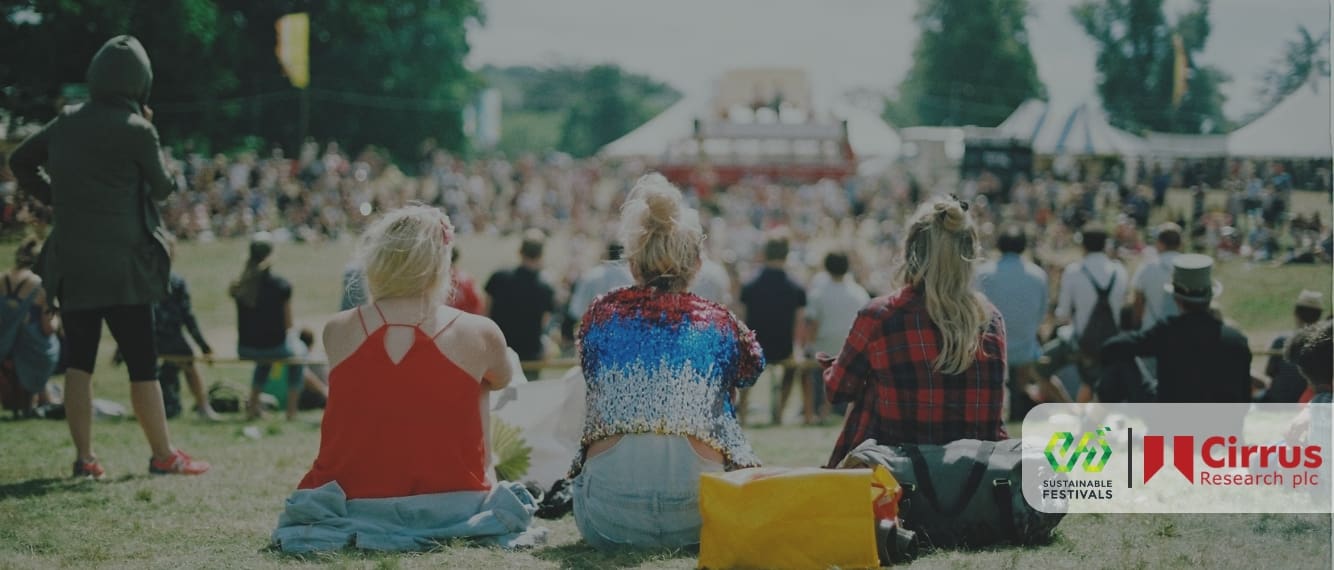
column 846, row 379
column 886, row 370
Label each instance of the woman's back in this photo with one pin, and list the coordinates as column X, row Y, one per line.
column 403, row 418
column 264, row 324
column 666, row 362
column 887, row 370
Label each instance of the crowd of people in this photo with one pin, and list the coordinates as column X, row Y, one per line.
column 671, row 328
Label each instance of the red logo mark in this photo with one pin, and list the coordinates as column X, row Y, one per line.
column 1183, row 455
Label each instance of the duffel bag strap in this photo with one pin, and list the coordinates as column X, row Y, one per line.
column 975, row 473
column 1003, row 493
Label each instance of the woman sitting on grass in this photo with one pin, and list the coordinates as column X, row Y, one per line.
column 407, row 413
column 925, row 364
column 663, row 367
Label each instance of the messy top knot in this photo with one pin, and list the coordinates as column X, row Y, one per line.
column 664, row 205
column 940, row 252
column 662, row 235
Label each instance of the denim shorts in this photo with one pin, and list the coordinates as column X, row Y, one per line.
column 643, row 492
column 291, row 348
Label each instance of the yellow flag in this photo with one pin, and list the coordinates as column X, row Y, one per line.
column 293, row 48
column 1180, row 69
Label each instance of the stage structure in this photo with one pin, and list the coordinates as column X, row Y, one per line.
column 759, row 123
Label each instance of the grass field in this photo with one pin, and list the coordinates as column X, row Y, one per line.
column 223, row 519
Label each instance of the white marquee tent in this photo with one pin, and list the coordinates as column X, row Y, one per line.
column 1298, row 127
column 652, row 139
column 870, row 137
column 1079, row 130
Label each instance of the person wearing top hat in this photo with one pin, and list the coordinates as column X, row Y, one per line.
column 1200, row 359
column 1286, row 384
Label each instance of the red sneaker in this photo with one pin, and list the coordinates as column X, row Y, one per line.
column 89, row 470
column 179, row 464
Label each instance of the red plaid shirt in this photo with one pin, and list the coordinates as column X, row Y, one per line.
column 885, row 371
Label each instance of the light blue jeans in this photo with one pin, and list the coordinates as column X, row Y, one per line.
column 641, row 493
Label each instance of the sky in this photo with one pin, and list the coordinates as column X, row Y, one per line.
column 846, row 44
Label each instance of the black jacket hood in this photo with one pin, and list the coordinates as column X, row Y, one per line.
column 121, row 72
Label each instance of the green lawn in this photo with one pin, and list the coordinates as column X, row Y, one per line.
column 223, row 519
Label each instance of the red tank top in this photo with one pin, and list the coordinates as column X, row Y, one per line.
column 395, row 430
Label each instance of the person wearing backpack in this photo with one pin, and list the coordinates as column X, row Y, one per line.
column 1093, row 290
column 28, row 341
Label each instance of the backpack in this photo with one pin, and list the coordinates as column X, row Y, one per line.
column 964, row 493
column 1102, row 323
column 13, row 396
column 224, row 398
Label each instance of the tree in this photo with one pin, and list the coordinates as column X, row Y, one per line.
column 1137, row 71
column 384, row 74
column 59, row 37
column 972, row 65
column 1302, row 58
column 572, row 109
column 601, row 116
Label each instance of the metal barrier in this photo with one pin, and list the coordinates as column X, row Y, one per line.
column 527, row 365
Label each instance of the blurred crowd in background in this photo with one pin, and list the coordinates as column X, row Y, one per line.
column 328, row 193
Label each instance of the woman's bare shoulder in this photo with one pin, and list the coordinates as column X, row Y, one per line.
column 342, row 333
column 480, row 327
column 343, row 320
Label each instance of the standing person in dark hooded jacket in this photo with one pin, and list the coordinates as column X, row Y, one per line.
column 106, row 257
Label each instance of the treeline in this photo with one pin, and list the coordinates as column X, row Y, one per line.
column 391, row 75
column 973, row 65
column 575, row 110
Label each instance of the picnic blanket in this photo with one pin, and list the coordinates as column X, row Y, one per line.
column 324, row 519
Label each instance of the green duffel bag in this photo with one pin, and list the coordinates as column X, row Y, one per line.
column 965, row 493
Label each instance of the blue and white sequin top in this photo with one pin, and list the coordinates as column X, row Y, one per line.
column 665, row 363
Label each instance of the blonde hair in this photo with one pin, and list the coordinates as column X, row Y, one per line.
column 662, row 236
column 939, row 255
column 406, row 253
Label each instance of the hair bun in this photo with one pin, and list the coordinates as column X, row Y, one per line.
column 663, row 203
column 950, row 215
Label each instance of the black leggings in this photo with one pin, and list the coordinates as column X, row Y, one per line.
column 132, row 328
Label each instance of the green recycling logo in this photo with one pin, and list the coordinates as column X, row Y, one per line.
column 1090, row 444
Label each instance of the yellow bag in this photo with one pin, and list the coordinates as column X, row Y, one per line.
column 773, row 517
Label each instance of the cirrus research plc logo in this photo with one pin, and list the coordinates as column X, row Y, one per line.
column 1063, row 454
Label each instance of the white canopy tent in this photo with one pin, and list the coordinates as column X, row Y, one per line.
column 1178, row 145
column 654, row 138
column 671, row 133
column 870, row 136
column 1297, row 127
column 1079, row 130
